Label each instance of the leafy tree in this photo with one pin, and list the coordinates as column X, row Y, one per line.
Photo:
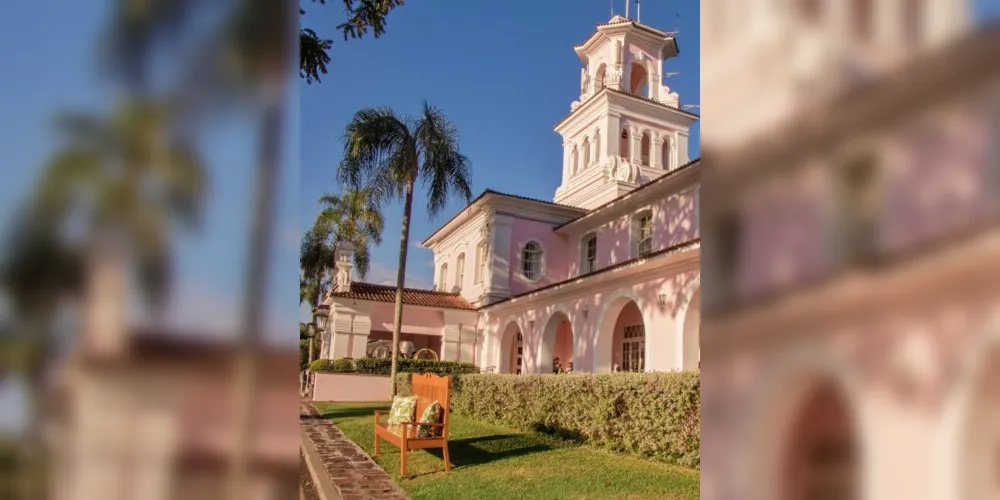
column 388, row 154
column 362, row 15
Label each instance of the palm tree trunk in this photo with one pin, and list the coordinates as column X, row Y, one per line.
column 400, row 282
column 256, row 286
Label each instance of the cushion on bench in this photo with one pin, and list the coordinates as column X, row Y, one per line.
column 403, row 409
column 432, row 415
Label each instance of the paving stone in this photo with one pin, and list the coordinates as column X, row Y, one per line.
column 355, row 475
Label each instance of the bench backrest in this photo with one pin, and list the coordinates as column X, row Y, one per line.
column 428, row 387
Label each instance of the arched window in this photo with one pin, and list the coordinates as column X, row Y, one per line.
column 665, row 153
column 460, row 271
column 642, row 231
column 638, row 80
column 644, row 149
column 575, row 159
column 623, row 145
column 599, row 78
column 588, row 254
column 586, row 152
column 443, row 278
column 531, row 261
column 480, row 262
column 597, row 145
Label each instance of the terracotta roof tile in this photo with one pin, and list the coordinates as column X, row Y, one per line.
column 411, row 296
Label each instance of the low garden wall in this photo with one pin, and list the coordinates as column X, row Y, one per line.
column 367, row 379
column 649, row 414
column 351, row 387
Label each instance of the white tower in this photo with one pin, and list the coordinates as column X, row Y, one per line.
column 626, row 129
column 767, row 60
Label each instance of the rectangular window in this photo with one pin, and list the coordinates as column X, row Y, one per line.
column 645, row 229
column 634, row 348
column 589, row 255
column 460, row 271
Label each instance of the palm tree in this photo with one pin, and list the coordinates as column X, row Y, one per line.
column 354, row 218
column 389, row 154
column 122, row 182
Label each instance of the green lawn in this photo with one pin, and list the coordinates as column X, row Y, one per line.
column 490, row 461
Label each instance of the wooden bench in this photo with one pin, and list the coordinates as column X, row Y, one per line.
column 428, row 388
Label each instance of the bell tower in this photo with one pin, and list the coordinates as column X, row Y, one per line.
column 626, row 129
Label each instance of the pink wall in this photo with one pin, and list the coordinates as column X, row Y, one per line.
column 675, row 220
column 933, row 179
column 351, row 387
column 415, row 320
column 556, row 252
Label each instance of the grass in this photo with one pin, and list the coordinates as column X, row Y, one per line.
column 490, row 461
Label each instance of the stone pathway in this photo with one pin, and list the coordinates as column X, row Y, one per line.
column 353, row 473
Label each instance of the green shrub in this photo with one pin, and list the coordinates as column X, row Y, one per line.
column 378, row 366
column 648, row 414
column 332, row 366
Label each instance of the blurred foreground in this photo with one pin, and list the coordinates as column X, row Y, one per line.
column 136, row 363
column 851, row 197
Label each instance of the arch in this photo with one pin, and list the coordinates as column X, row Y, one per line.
column 623, row 144
column 575, row 160
column 558, row 339
column 979, row 359
column 507, row 340
column 688, row 346
column 606, row 320
column 784, row 397
column 638, row 80
column 599, row 77
column 645, row 147
column 597, row 145
column 586, row 152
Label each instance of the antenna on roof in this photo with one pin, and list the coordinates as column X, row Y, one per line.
column 668, row 74
column 689, row 107
column 612, row 5
column 626, row 9
column 638, row 14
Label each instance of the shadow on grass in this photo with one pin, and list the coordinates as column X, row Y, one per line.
column 486, row 449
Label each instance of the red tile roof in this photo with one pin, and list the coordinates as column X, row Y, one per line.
column 411, row 296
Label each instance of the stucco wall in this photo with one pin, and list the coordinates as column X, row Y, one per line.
column 351, row 387
column 555, row 258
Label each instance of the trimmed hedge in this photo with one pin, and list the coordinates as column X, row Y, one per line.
column 649, row 414
column 379, row 366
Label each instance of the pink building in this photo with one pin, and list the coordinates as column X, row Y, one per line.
column 852, row 307
column 605, row 277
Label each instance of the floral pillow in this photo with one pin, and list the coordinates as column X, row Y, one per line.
column 432, row 415
column 403, row 408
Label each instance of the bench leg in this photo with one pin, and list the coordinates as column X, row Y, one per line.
column 402, row 459
column 447, row 461
column 376, row 445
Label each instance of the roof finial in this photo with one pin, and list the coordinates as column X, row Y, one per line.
column 626, row 9
column 637, row 11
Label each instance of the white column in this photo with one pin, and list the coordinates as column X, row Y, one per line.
column 467, row 344
column 348, row 333
column 657, row 151
column 635, row 146
column 449, row 343
column 612, row 136
column 500, row 248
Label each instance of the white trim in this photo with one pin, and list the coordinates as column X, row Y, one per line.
column 955, row 411
column 687, row 294
column 787, row 380
column 621, row 293
column 557, row 309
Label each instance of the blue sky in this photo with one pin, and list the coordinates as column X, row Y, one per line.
column 53, row 56
column 504, row 72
